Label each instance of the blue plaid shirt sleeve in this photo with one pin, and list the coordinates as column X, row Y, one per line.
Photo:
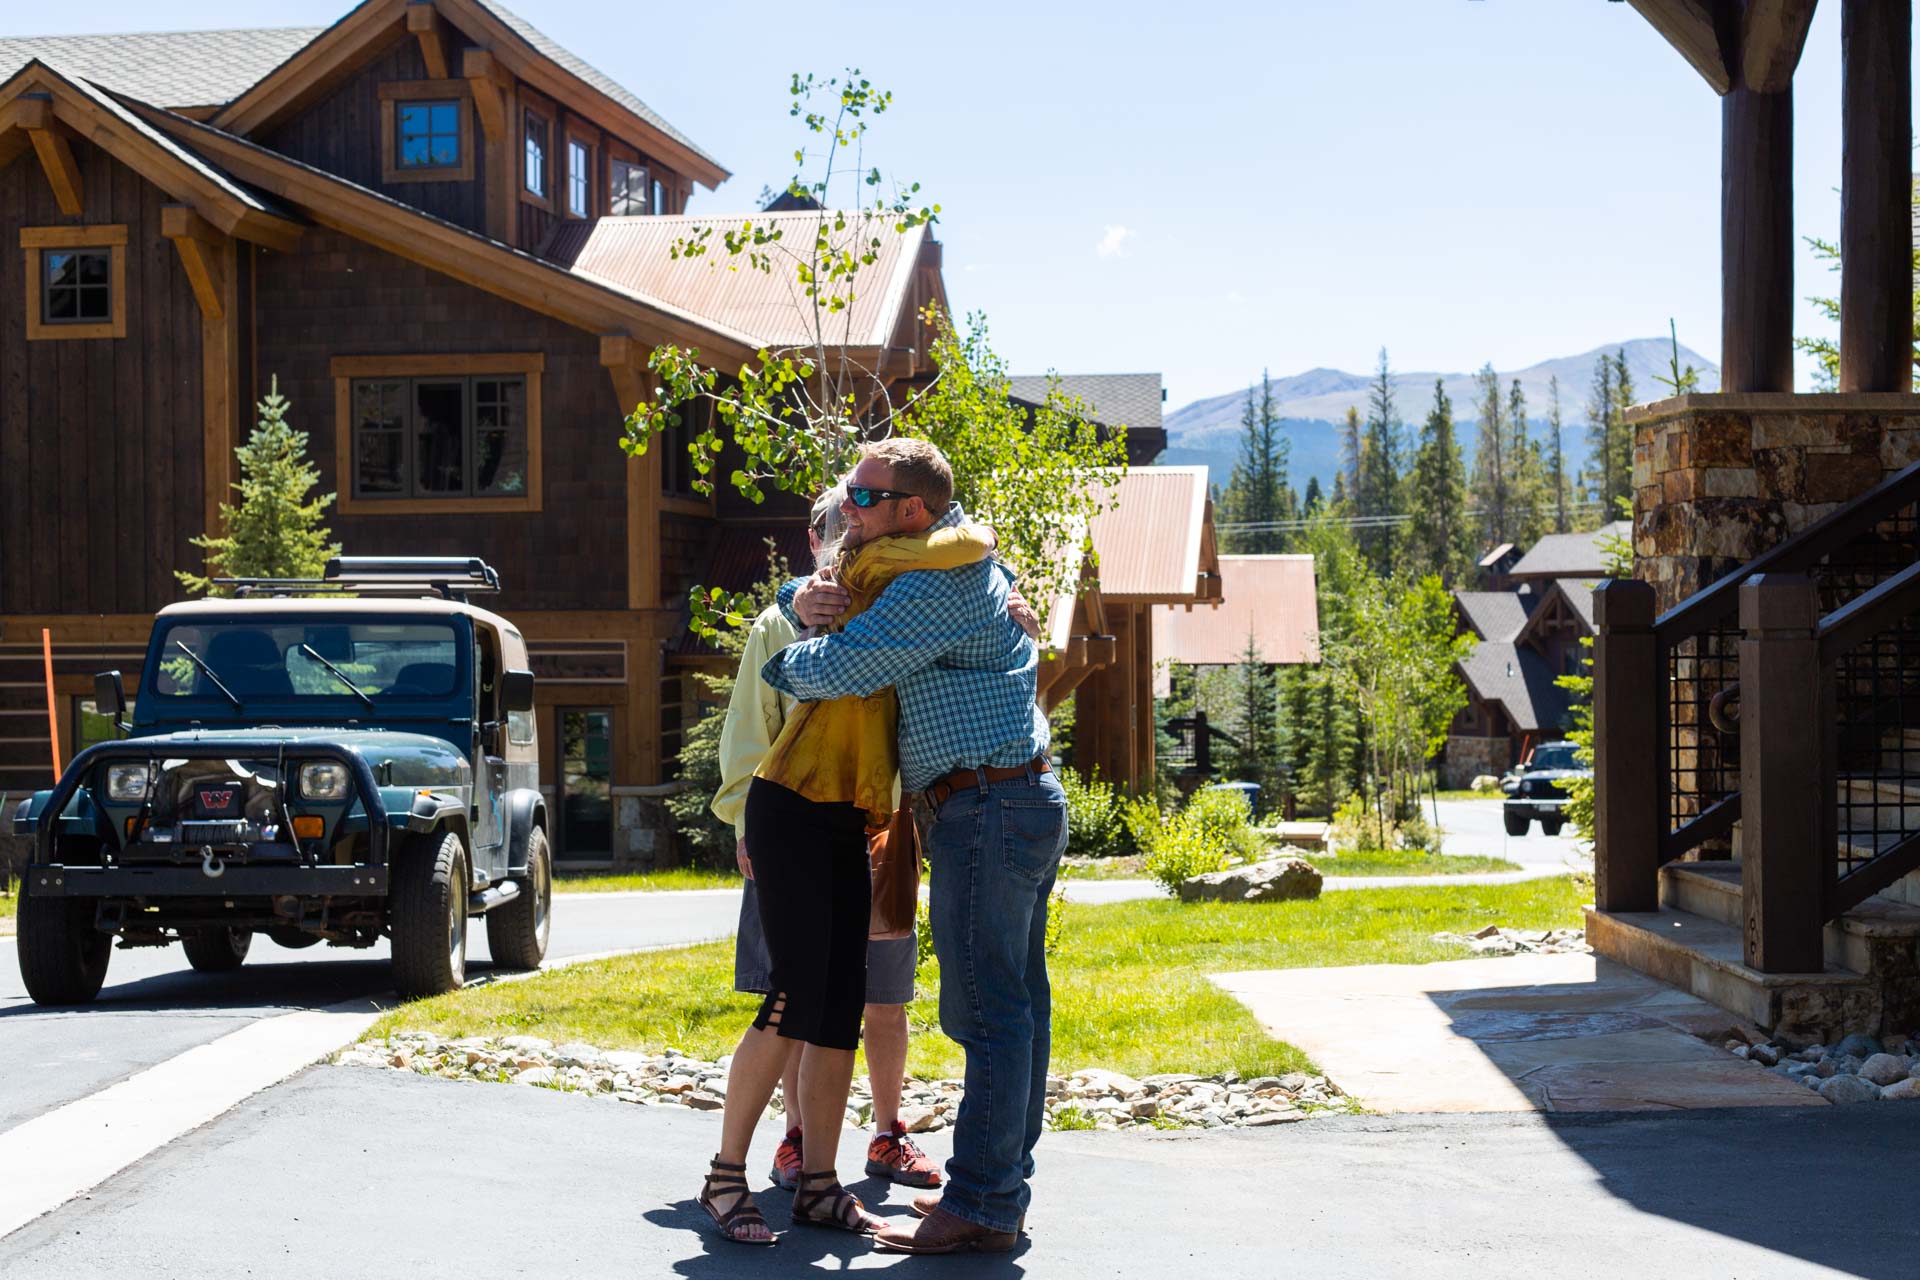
column 788, row 590
column 917, row 619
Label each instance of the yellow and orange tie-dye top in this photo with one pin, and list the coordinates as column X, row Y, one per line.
column 847, row 749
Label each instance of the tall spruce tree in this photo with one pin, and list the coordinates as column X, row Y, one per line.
column 275, row 531
column 1378, row 495
column 1256, row 716
column 1621, row 464
column 1439, row 535
column 1347, row 480
column 1527, row 488
column 1556, row 458
column 1600, row 432
column 1313, row 500
column 1258, row 497
column 1491, row 483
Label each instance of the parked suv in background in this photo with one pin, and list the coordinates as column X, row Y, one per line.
column 1540, row 791
column 310, row 766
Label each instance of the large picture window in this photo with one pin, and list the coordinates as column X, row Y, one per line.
column 76, row 281
column 447, row 433
column 627, row 186
column 426, row 131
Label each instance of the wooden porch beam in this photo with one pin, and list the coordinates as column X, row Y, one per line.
column 1628, row 753
column 1756, row 239
column 492, row 90
column 199, row 244
column 624, row 360
column 483, row 72
column 1772, row 34
column 426, row 27
column 50, row 140
column 1876, row 234
column 1690, row 27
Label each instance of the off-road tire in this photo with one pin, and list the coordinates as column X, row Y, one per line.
column 1517, row 823
column 429, row 916
column 1551, row 826
column 63, row 958
column 517, row 931
column 291, row 938
column 216, row 950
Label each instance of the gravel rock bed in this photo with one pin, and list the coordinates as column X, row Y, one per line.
column 1086, row 1099
column 1496, row 940
column 1859, row 1068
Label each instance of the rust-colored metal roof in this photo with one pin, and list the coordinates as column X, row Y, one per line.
column 1268, row 598
column 636, row 254
column 1157, row 541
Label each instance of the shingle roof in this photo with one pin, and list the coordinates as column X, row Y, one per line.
column 1567, row 555
column 1267, row 599
column 1493, row 615
column 1579, row 593
column 1519, row 680
column 1131, row 400
column 165, row 68
column 592, row 75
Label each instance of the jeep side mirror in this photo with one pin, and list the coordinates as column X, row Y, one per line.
column 516, row 690
column 110, row 698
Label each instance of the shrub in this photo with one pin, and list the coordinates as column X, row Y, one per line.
column 1182, row 852
column 1095, row 826
column 1214, row 831
column 1358, row 829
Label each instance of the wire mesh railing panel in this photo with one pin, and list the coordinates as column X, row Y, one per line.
column 1703, row 760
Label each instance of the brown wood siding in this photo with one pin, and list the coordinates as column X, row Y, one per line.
column 100, row 439
column 338, row 297
column 534, row 221
column 341, row 134
column 686, row 549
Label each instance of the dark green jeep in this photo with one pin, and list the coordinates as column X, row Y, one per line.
column 309, row 766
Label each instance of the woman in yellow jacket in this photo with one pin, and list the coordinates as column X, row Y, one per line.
column 828, row 778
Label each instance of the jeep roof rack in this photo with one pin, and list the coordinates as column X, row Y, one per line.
column 449, row 577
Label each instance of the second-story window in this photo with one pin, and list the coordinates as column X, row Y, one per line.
column 660, row 197
column 626, row 188
column 429, row 134
column 76, row 286
column 579, row 178
column 537, row 134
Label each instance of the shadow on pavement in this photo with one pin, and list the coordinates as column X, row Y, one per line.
column 309, row 984
column 803, row 1250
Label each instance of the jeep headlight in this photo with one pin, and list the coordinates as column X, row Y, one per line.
column 323, row 781
column 127, row 783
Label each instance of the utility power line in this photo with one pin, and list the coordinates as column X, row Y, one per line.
column 1382, row 522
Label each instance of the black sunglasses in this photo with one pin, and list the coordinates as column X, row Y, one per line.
column 864, row 497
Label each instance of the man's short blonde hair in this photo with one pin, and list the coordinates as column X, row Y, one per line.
column 918, row 467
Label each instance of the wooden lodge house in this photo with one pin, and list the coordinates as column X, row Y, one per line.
column 447, row 238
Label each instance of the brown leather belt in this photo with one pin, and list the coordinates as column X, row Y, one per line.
column 940, row 788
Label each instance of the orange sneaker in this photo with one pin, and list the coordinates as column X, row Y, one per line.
column 786, row 1161
column 897, row 1158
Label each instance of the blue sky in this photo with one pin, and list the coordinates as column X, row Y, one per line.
column 1209, row 189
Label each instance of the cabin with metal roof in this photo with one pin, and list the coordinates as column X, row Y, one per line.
column 448, row 240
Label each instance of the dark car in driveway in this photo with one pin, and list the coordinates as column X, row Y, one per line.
column 1540, row 791
column 308, row 766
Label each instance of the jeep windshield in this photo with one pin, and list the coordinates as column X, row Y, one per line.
column 1554, row 758
column 323, row 661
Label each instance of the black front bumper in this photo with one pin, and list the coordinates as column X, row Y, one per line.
column 235, row 881
column 1536, row 807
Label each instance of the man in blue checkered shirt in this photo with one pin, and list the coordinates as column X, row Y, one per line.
column 994, row 821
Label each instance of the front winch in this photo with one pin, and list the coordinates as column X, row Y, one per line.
column 210, row 865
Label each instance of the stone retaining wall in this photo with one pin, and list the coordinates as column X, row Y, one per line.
column 1468, row 758
column 1720, row 478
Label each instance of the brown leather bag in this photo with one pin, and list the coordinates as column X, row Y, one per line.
column 893, row 853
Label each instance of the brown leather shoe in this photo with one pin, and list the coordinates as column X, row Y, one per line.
column 942, row 1232
column 923, row 1207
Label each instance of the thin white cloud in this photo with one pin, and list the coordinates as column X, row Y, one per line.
column 1114, row 243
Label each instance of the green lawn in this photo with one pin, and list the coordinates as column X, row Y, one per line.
column 9, row 904
column 1130, row 986
column 1471, row 795
column 1406, row 862
column 670, row 879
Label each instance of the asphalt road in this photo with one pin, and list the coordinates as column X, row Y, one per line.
column 1475, row 827
column 155, row 1006
column 345, row 1173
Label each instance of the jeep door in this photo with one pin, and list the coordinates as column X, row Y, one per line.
column 489, row 764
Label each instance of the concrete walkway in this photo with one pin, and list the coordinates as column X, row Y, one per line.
column 1526, row 1033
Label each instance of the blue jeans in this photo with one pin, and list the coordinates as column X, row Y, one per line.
column 993, row 852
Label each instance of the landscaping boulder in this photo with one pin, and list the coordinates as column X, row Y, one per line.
column 1848, row 1088
column 1275, row 878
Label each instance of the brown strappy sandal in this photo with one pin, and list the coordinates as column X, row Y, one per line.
column 846, row 1213
column 725, row 1179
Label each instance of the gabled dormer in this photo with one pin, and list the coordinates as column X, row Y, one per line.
column 458, row 108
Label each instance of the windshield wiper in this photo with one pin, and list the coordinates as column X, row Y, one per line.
column 338, row 674
column 207, row 671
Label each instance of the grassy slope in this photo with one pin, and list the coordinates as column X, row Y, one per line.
column 1130, row 986
column 648, row 881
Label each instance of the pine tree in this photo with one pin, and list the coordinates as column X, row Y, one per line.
column 1347, row 480
column 1621, row 438
column 275, row 532
column 1439, row 535
column 1527, row 488
column 1378, row 493
column 1491, row 483
column 1600, row 407
column 1313, row 501
column 1258, row 494
column 1556, row 458
column 1256, row 716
